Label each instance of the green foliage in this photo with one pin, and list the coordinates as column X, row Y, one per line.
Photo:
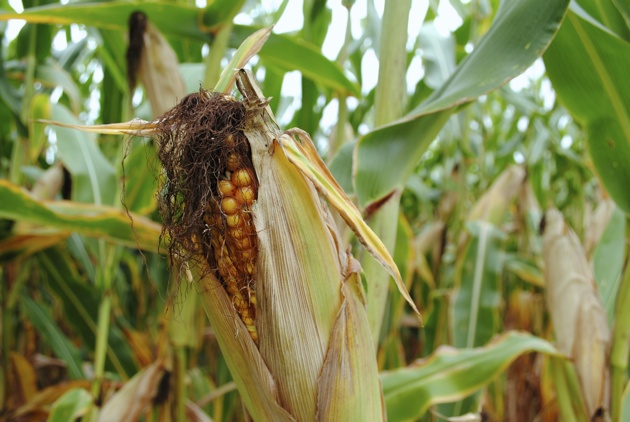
column 84, row 284
column 447, row 376
column 588, row 55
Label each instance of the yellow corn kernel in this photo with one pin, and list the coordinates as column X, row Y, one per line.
column 230, row 206
column 252, row 332
column 245, row 195
column 235, row 220
column 233, row 162
column 248, row 254
column 231, row 286
column 243, row 244
column 230, row 141
column 249, row 269
column 242, row 177
column 226, row 188
column 238, row 233
column 240, row 302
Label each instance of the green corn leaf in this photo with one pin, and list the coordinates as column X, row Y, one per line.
column 247, row 49
column 93, row 176
column 291, row 53
column 171, row 18
column 61, row 346
column 608, row 261
column 587, row 55
column 450, row 375
column 140, row 181
column 51, row 75
column 519, row 35
column 475, row 309
column 625, row 404
column 91, row 220
column 283, row 51
column 72, row 405
column 80, row 304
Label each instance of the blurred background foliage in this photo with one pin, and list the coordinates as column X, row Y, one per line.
column 457, row 186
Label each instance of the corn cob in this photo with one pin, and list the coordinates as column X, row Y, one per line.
column 210, row 187
column 233, row 235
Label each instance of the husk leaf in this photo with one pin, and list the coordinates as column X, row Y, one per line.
column 579, row 319
column 348, row 378
column 303, row 155
column 301, row 270
column 157, row 65
column 250, row 373
column 299, row 273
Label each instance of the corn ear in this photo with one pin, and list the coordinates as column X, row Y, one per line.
column 579, row 319
column 304, row 350
column 151, row 58
column 493, row 204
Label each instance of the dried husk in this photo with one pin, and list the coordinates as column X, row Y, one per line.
column 152, row 60
column 135, row 397
column 578, row 316
column 596, row 224
column 306, row 315
column 49, row 184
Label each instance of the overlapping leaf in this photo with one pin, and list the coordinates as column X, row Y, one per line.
column 288, row 53
column 587, row 55
column 449, row 375
column 519, row 35
column 88, row 219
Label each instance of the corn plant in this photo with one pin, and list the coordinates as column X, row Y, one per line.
column 503, row 207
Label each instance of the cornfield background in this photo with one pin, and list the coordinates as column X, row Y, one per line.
column 502, row 200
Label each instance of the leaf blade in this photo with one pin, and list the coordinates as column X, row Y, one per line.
column 587, row 55
column 91, row 220
column 449, row 375
column 518, row 36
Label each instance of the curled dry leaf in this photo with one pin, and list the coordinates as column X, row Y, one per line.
column 495, row 201
column 135, row 396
